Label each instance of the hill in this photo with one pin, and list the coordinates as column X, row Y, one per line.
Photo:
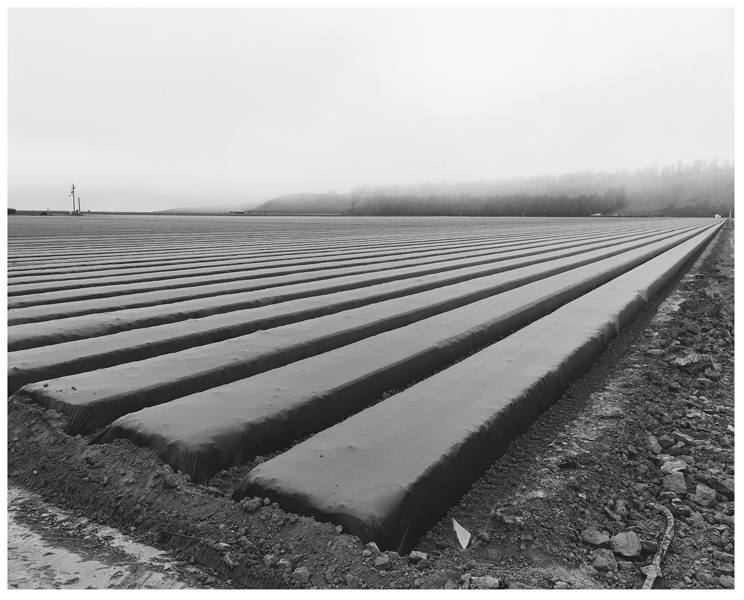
column 308, row 204
column 698, row 189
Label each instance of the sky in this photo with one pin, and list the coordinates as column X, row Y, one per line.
column 150, row 109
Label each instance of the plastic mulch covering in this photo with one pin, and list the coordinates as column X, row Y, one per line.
column 267, row 270
column 31, row 335
column 222, row 427
column 145, row 254
column 99, row 275
column 388, row 473
column 60, row 305
column 66, row 358
column 96, row 398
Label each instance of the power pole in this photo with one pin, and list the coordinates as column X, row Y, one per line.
column 79, row 211
column 73, row 198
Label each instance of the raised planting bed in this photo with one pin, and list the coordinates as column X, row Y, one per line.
column 93, row 349
column 389, row 472
column 98, row 299
column 204, row 433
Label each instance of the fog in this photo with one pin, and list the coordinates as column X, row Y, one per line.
column 150, row 109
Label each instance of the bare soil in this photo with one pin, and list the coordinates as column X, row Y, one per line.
column 590, row 468
column 50, row 548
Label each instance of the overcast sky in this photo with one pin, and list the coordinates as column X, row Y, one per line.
column 153, row 109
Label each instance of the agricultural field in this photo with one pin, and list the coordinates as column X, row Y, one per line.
column 362, row 372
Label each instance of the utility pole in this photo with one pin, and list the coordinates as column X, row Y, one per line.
column 73, row 198
column 79, row 211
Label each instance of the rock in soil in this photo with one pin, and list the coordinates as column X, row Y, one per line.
column 604, row 560
column 595, row 538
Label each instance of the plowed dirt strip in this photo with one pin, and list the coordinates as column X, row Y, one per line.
column 334, row 282
column 403, row 282
column 96, row 398
column 372, row 476
column 32, row 295
column 226, row 426
column 69, row 358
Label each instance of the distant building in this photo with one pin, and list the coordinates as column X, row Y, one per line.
column 235, row 212
column 718, row 216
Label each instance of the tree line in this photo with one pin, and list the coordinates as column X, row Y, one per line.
column 699, row 188
column 514, row 205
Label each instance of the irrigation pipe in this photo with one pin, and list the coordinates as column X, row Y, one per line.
column 653, row 570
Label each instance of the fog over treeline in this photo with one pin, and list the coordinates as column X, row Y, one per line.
column 700, row 188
